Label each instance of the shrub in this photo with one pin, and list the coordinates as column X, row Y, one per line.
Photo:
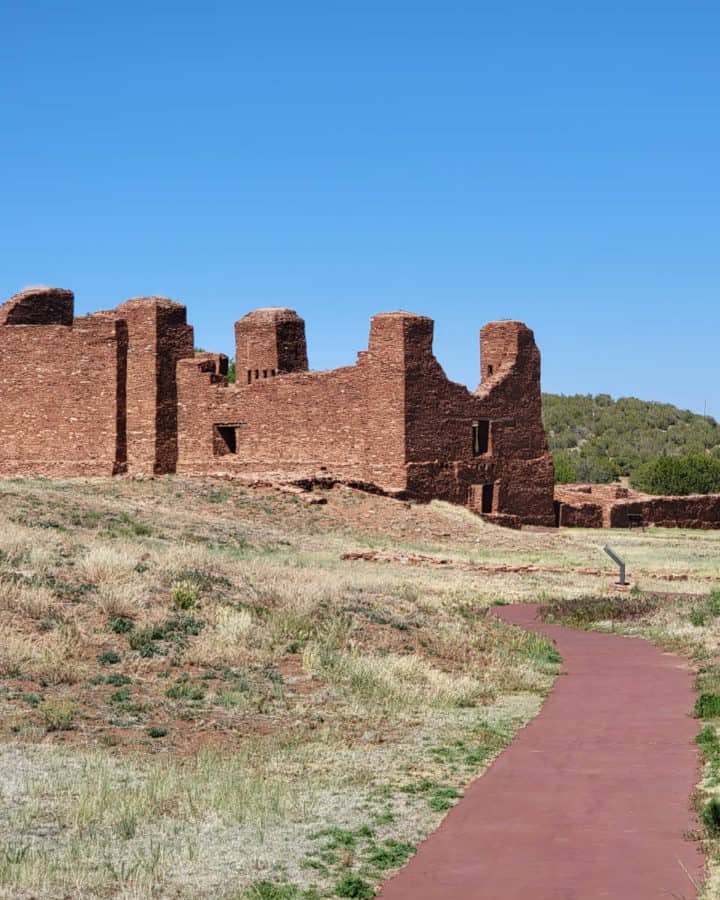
column 141, row 640
column 121, row 625
column 710, row 815
column 57, row 715
column 184, row 597
column 157, row 732
column 109, row 658
column 698, row 616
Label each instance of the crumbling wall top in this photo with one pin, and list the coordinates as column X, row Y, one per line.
column 266, row 315
column 39, row 306
column 270, row 341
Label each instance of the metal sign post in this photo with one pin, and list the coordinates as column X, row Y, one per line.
column 621, row 563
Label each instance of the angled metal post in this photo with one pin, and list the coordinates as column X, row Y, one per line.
column 620, row 562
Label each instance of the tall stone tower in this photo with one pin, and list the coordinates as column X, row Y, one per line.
column 269, row 342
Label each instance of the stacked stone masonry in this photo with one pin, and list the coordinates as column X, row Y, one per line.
column 614, row 506
column 123, row 391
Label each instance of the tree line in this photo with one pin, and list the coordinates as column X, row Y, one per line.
column 660, row 448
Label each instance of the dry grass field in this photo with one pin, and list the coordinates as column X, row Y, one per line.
column 201, row 698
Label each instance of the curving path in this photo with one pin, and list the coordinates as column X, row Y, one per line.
column 591, row 800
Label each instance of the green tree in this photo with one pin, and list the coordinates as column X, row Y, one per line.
column 679, row 475
column 565, row 471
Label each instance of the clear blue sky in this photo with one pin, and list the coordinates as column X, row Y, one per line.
column 556, row 163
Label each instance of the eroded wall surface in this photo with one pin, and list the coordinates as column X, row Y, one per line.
column 88, row 396
column 347, row 421
column 59, row 411
column 393, row 419
column 443, row 460
column 123, row 391
column 614, row 506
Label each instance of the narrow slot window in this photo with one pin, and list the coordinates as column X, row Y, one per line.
column 481, row 437
column 249, row 376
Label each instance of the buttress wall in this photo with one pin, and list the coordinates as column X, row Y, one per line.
column 89, row 396
column 59, row 388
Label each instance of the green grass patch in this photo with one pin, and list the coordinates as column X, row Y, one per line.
column 707, row 706
column 390, row 854
column 353, row 885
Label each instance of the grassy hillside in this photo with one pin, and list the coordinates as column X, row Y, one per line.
column 208, row 691
column 596, row 438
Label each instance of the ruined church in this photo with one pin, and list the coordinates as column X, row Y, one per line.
column 123, row 392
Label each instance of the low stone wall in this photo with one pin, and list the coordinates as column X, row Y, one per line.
column 614, row 506
column 695, row 511
column 584, row 515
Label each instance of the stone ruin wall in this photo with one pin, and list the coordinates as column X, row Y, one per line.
column 122, row 391
column 59, row 387
column 344, row 422
column 393, row 419
column 88, row 396
column 441, row 416
column 613, row 506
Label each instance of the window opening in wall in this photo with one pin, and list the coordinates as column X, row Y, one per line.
column 264, row 373
column 481, row 437
column 257, row 374
column 249, row 375
column 487, row 497
column 273, row 373
column 224, row 439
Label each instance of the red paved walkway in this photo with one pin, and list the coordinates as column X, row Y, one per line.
column 592, row 798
